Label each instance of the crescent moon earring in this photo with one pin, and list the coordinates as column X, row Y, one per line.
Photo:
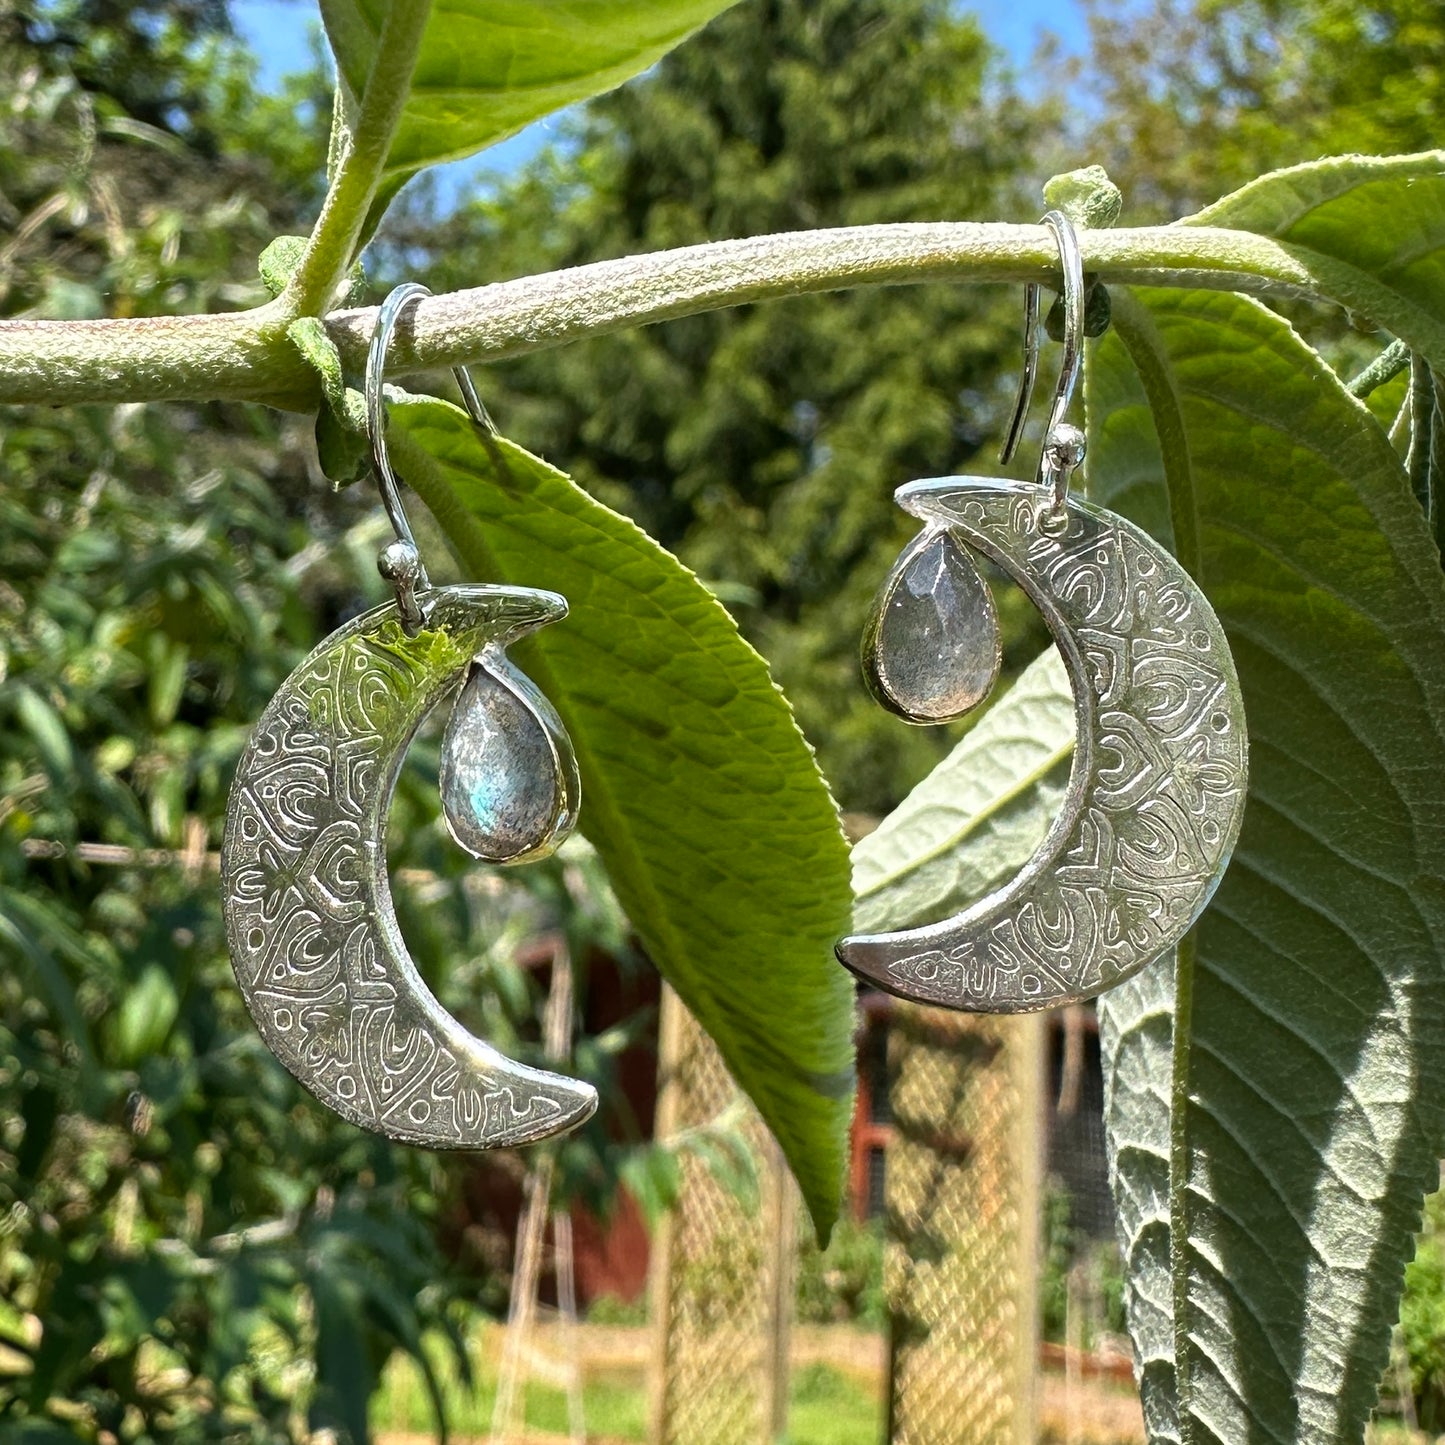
column 1157, row 786
column 309, row 919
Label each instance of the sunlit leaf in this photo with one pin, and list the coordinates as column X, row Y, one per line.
column 489, row 67
column 1269, row 1189
column 145, row 1015
column 48, row 732
column 1371, row 230
column 698, row 791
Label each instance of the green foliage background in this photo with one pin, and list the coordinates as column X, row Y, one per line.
column 191, row 1249
column 762, row 444
column 1191, row 101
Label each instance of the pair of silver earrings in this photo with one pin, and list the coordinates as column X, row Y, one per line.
column 1153, row 806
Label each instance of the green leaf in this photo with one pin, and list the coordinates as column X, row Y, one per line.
column 698, row 791
column 489, row 67
column 1425, row 456
column 167, row 681
column 400, row 1313
column 279, row 260
column 40, row 1432
column 1371, row 231
column 48, row 732
column 314, row 343
column 341, row 447
column 977, row 817
column 1087, row 197
column 146, row 1015
column 722, row 1148
column 653, row 1177
column 1274, row 1105
column 344, row 1374
column 34, row 931
column 344, row 456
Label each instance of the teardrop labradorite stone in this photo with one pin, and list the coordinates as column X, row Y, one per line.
column 931, row 651
column 508, row 779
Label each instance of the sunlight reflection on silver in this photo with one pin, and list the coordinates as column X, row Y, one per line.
column 1156, row 791
column 309, row 918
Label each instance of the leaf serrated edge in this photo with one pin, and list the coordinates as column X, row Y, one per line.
column 425, row 474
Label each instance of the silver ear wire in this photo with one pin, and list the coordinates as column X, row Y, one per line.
column 400, row 561
column 1030, row 375
column 1063, row 447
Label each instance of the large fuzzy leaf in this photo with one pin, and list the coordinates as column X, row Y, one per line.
column 1371, row 231
column 489, row 67
column 1270, row 1185
column 975, row 819
column 698, row 791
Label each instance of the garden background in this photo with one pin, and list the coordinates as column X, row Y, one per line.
column 189, row 1247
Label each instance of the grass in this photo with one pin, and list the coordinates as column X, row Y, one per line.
column 615, row 1406
column 826, row 1407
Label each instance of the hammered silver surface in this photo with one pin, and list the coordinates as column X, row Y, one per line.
column 313, row 935
column 1157, row 788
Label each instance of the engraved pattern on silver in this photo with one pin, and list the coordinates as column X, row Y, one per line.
column 313, row 935
column 1157, row 787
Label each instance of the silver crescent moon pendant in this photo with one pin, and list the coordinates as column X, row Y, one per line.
column 313, row 935
column 1157, row 787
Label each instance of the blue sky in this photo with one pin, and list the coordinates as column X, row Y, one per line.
column 278, row 30
column 278, row 33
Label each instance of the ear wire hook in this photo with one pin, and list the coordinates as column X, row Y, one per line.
column 1030, row 375
column 400, row 561
column 1063, row 447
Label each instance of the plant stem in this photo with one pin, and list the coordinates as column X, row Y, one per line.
column 240, row 356
column 335, row 237
column 510, row 318
column 246, row 355
column 1386, row 366
column 1422, row 430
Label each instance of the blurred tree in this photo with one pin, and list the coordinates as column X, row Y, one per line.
column 1197, row 97
column 763, row 444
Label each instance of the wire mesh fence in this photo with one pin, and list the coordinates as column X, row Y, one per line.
column 962, row 1209
column 722, row 1265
